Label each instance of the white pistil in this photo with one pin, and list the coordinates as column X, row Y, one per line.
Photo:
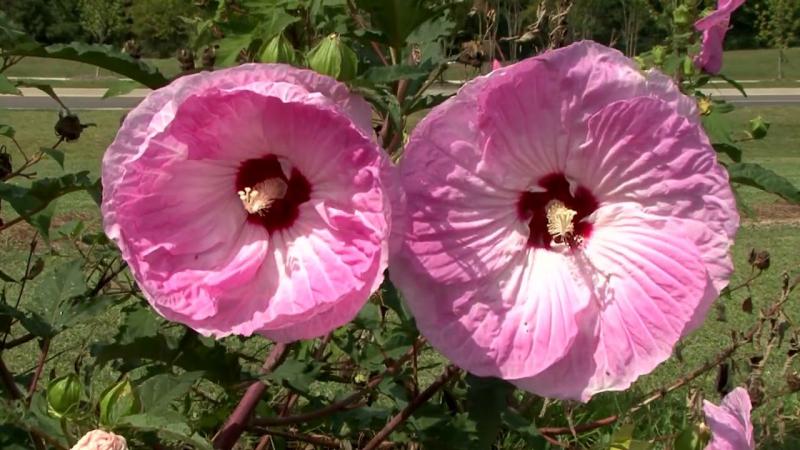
column 259, row 198
column 559, row 221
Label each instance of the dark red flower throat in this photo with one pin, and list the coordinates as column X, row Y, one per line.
column 284, row 207
column 532, row 206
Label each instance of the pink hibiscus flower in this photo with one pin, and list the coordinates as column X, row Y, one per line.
column 101, row 440
column 714, row 27
column 567, row 223
column 251, row 200
column 730, row 424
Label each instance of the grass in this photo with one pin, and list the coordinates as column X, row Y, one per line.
column 780, row 151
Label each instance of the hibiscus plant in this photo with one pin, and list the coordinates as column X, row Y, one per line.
column 287, row 259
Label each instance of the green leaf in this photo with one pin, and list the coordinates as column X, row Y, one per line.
column 47, row 89
column 56, row 154
column 101, row 56
column 396, row 20
column 139, row 323
column 119, row 401
column 297, row 374
column 733, row 152
column 27, row 202
column 738, row 86
column 487, row 399
column 157, row 392
column 121, row 87
column 172, row 426
column 762, row 178
column 63, row 282
column 7, row 131
column 7, row 87
column 389, row 74
column 6, row 277
column 717, row 127
column 427, row 102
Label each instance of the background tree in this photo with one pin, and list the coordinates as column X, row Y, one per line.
column 48, row 21
column 102, row 19
column 157, row 24
column 778, row 24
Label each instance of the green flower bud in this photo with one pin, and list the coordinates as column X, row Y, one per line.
column 759, row 128
column 117, row 402
column 659, row 54
column 279, row 50
column 333, row 58
column 681, row 16
column 64, row 395
column 693, row 437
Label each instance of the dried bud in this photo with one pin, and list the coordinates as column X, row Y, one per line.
column 793, row 381
column 186, row 60
column 747, row 305
column 209, row 57
column 69, row 127
column 755, row 387
column 333, row 58
column 64, row 396
column 723, row 379
column 5, row 163
column 279, row 50
column 759, row 259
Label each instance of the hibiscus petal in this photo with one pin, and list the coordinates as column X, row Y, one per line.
column 648, row 282
column 639, row 150
column 731, row 427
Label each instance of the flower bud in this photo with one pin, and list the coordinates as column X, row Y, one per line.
column 681, row 16
column 333, row 58
column 69, row 127
column 279, row 50
column 101, row 440
column 759, row 259
column 693, row 437
column 659, row 54
column 118, row 401
column 5, row 163
column 64, row 395
column 758, row 128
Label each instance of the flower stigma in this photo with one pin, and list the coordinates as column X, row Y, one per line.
column 560, row 222
column 259, row 198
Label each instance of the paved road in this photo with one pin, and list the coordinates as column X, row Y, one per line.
column 92, row 98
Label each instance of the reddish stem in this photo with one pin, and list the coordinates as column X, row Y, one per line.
column 235, row 425
column 418, row 401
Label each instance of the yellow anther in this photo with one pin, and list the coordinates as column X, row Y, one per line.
column 559, row 221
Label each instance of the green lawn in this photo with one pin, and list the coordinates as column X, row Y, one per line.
column 780, row 151
column 43, row 67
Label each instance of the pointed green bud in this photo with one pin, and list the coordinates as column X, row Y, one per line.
column 759, row 128
column 333, row 58
column 659, row 54
column 64, row 396
column 279, row 50
column 681, row 16
column 693, row 437
column 118, row 401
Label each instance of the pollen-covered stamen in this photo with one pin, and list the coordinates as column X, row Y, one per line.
column 259, row 198
column 560, row 221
